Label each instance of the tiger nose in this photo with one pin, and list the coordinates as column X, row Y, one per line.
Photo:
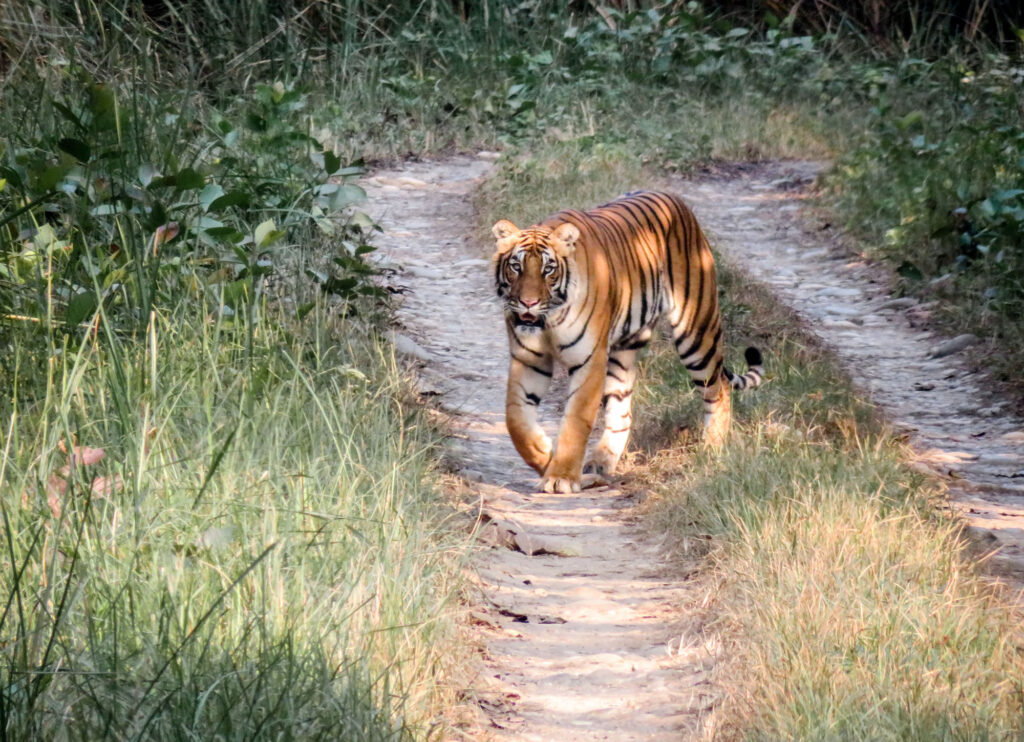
column 529, row 302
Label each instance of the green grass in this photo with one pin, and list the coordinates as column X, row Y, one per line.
column 850, row 606
column 271, row 564
column 261, row 553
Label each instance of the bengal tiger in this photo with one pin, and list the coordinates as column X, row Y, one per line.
column 585, row 289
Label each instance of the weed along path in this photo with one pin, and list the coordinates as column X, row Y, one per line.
column 921, row 381
column 582, row 633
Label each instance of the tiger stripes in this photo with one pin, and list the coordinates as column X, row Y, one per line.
column 585, row 290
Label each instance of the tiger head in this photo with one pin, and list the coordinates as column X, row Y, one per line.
column 533, row 269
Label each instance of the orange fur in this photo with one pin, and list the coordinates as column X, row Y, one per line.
column 585, row 289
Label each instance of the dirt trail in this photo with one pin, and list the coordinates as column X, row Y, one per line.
column 920, row 380
column 586, row 638
column 582, row 630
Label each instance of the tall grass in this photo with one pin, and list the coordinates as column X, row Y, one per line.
column 255, row 556
column 216, row 500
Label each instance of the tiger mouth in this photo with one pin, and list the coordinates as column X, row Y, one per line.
column 528, row 319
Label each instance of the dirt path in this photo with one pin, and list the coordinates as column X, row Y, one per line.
column 921, row 381
column 586, row 638
column 582, row 630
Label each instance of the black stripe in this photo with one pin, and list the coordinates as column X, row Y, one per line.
column 578, row 366
column 530, row 366
column 703, row 361
column 532, row 399
column 621, row 396
column 579, row 337
column 520, row 344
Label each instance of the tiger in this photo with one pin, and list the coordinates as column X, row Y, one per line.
column 585, row 289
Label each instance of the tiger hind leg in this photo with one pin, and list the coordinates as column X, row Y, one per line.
column 618, row 418
column 701, row 353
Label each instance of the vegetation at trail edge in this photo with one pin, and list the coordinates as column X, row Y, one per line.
column 218, row 516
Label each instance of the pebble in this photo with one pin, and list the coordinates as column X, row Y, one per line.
column 901, row 303
column 839, row 292
column 409, row 347
column 955, row 345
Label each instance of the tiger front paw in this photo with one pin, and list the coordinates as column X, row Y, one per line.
column 537, row 453
column 563, row 485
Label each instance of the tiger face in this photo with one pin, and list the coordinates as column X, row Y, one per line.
column 533, row 270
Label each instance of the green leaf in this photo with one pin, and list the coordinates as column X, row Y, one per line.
column 305, row 309
column 235, row 198
column 319, row 276
column 331, row 162
column 363, row 221
column 910, row 271
column 81, row 307
column 255, row 122
column 48, row 179
column 236, row 292
column 103, row 107
column 333, row 197
column 188, row 179
column 209, row 194
column 69, row 115
column 1008, row 194
column 76, row 148
column 226, row 234
column 267, row 234
column 911, row 119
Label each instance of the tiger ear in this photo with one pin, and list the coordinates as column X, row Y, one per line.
column 505, row 232
column 565, row 239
